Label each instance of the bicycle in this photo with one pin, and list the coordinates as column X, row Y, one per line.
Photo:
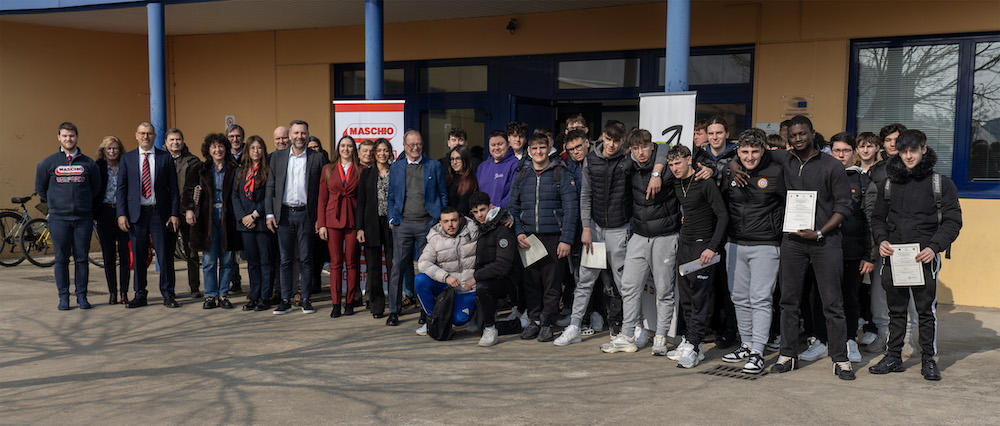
column 12, row 222
column 29, row 237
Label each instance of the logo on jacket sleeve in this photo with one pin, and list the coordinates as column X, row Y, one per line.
column 762, row 183
column 503, row 243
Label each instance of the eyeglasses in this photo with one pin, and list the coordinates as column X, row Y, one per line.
column 454, row 159
column 146, row 133
column 842, row 151
column 575, row 148
column 112, row 148
column 235, row 136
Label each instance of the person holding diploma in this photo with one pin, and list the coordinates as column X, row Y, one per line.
column 703, row 226
column 544, row 204
column 809, row 171
column 916, row 205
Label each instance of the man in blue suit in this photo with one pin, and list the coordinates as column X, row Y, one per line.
column 417, row 192
column 148, row 201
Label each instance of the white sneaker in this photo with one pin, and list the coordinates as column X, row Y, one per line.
column 675, row 354
column 641, row 336
column 690, row 359
column 513, row 314
column 620, row 344
column 596, row 322
column 422, row 331
column 659, row 345
column 741, row 354
column 817, row 350
column 569, row 336
column 853, row 353
column 564, row 321
column 489, row 337
column 608, row 345
column 867, row 338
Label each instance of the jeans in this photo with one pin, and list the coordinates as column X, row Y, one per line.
column 71, row 237
column 257, row 246
column 216, row 263
column 427, row 290
column 295, row 230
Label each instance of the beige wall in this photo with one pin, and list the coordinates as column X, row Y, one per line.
column 98, row 80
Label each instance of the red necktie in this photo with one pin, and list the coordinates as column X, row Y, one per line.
column 249, row 186
column 147, row 179
column 69, row 159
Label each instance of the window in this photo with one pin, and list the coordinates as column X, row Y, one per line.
column 734, row 68
column 466, row 78
column 947, row 87
column 436, row 123
column 599, row 74
column 353, row 82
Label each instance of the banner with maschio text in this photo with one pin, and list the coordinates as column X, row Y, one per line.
column 370, row 120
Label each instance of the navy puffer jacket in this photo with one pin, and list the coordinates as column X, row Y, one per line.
column 540, row 206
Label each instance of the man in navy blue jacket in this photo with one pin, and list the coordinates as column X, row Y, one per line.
column 70, row 182
column 417, row 192
column 148, row 202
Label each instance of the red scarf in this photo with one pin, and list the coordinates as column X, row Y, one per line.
column 343, row 176
column 249, row 187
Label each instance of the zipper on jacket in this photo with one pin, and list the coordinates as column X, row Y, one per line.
column 538, row 184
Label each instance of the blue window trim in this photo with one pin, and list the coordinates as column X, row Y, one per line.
column 963, row 103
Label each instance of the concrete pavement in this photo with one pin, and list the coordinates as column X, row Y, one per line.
column 156, row 365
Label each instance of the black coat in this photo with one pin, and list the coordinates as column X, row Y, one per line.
column 366, row 215
column 243, row 205
column 201, row 232
column 657, row 216
column 757, row 210
column 495, row 249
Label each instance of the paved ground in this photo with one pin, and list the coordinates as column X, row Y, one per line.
column 156, row 365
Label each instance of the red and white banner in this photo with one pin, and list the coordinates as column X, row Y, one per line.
column 370, row 120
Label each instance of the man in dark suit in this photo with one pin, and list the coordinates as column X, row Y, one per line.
column 235, row 134
column 148, row 201
column 291, row 206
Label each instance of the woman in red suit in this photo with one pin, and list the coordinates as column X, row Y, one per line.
column 338, row 202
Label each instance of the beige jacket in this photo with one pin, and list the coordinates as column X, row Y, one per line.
column 445, row 256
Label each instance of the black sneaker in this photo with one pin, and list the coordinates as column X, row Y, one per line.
column 738, row 355
column 307, row 307
column 262, row 305
column 843, row 370
column 224, row 303
column 888, row 364
column 530, row 332
column 930, row 370
column 249, row 306
column 724, row 341
column 209, row 303
column 785, row 364
column 283, row 308
column 545, row 334
column 393, row 320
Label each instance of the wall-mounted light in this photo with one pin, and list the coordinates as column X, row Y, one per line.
column 512, row 26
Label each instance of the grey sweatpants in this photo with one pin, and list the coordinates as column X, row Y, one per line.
column 753, row 272
column 644, row 255
column 615, row 240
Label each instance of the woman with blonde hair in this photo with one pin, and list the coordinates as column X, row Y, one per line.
column 113, row 239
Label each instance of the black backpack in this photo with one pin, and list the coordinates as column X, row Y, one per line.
column 439, row 321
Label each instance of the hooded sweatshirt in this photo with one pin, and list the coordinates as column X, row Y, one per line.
column 495, row 177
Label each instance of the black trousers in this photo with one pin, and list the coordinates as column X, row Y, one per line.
column 294, row 230
column 114, row 247
column 723, row 310
column 487, row 294
column 258, row 249
column 695, row 290
column 150, row 226
column 852, row 305
column 193, row 259
column 612, row 301
column 826, row 257
column 543, row 283
column 924, row 299
column 373, row 265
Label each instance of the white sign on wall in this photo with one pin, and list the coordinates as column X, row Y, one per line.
column 370, row 120
column 230, row 120
column 668, row 116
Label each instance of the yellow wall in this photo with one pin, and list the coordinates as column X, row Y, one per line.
column 98, row 80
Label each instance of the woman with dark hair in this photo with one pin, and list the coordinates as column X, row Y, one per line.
column 113, row 239
column 213, row 227
column 461, row 180
column 248, row 210
column 338, row 202
column 373, row 224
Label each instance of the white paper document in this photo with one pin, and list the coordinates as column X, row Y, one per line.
column 695, row 265
column 534, row 253
column 596, row 260
column 800, row 211
column 906, row 270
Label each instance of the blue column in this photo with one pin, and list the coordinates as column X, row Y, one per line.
column 678, row 45
column 157, row 70
column 373, row 50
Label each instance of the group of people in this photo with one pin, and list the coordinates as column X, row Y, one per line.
column 540, row 228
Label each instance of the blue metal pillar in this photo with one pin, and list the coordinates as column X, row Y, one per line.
column 678, row 45
column 373, row 50
column 157, row 70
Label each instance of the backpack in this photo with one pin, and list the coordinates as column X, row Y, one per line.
column 936, row 188
column 439, row 321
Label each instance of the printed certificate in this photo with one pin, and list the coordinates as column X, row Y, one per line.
column 534, row 253
column 596, row 260
column 800, row 211
column 906, row 270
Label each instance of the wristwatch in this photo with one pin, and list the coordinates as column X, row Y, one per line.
column 656, row 174
column 819, row 235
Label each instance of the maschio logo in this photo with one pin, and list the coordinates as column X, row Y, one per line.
column 69, row 170
column 762, row 183
column 370, row 131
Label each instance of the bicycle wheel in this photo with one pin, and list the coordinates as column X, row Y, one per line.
column 36, row 244
column 96, row 255
column 10, row 247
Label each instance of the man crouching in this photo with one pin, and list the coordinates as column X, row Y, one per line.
column 495, row 253
column 448, row 260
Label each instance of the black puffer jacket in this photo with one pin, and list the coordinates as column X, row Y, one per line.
column 857, row 233
column 910, row 215
column 660, row 215
column 757, row 210
column 606, row 199
column 495, row 247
